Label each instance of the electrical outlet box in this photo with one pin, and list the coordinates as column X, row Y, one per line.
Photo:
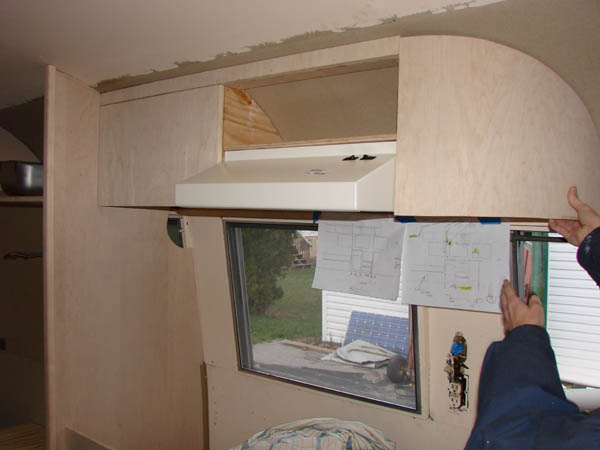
column 455, row 402
column 455, row 388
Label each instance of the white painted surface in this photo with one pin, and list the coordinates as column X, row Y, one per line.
column 321, row 183
column 573, row 317
column 338, row 307
column 586, row 399
column 358, row 148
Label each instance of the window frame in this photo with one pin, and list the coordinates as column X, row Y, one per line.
column 241, row 318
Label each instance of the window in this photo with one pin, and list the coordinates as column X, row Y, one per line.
column 292, row 332
column 546, row 265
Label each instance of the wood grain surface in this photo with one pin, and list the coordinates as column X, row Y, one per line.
column 124, row 344
column 484, row 130
column 149, row 145
column 244, row 122
column 23, row 437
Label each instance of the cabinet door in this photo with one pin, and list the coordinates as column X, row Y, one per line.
column 149, row 145
column 485, row 130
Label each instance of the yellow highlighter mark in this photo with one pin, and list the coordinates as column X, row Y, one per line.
column 448, row 242
column 413, row 235
column 475, row 251
column 465, row 288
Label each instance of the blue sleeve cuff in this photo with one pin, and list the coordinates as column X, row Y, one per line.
column 588, row 255
column 528, row 333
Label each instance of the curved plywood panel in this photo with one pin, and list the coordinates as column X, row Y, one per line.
column 244, row 122
column 484, row 130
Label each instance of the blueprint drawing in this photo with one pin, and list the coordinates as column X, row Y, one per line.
column 455, row 265
column 360, row 257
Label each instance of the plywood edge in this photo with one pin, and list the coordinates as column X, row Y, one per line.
column 70, row 114
column 310, row 73
column 331, row 61
column 14, row 200
column 48, row 252
column 79, row 441
column 244, row 121
column 316, row 142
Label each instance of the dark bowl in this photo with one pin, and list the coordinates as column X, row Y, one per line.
column 21, row 177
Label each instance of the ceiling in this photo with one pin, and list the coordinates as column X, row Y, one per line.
column 111, row 44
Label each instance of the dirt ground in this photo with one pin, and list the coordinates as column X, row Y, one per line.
column 305, row 365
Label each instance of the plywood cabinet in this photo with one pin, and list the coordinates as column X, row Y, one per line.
column 485, row 130
column 148, row 145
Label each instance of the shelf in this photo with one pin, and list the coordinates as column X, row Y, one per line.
column 20, row 200
column 315, row 142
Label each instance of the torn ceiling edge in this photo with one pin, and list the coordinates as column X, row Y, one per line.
column 310, row 41
column 562, row 35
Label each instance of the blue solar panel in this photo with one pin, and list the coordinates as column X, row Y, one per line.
column 392, row 333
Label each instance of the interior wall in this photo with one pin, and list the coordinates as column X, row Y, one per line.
column 242, row 404
column 124, row 339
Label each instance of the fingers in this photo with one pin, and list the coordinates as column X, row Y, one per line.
column 569, row 229
column 515, row 312
column 573, row 199
column 534, row 300
column 507, row 296
column 508, row 291
column 563, row 226
column 536, row 311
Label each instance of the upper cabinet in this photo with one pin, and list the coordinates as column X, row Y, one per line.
column 482, row 130
column 485, row 130
column 150, row 144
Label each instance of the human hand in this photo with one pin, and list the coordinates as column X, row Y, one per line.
column 575, row 231
column 515, row 312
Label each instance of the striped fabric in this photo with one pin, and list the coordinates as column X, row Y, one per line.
column 321, row 434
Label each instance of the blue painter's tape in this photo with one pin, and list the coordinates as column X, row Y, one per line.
column 316, row 216
column 490, row 220
column 405, row 219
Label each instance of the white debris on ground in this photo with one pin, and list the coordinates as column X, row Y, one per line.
column 361, row 353
column 278, row 353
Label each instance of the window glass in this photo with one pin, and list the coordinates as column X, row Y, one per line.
column 348, row 344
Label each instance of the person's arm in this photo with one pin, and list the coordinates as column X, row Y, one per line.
column 588, row 255
column 519, row 384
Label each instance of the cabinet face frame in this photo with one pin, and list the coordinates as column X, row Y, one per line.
column 505, row 186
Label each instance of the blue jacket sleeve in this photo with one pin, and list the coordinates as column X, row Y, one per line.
column 588, row 255
column 522, row 404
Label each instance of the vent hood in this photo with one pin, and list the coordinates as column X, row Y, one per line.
column 318, row 178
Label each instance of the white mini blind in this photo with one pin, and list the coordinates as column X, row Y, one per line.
column 573, row 320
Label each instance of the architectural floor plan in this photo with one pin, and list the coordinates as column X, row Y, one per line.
column 455, row 265
column 360, row 257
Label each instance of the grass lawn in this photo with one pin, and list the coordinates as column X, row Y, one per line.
column 295, row 316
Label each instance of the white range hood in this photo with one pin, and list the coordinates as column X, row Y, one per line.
column 317, row 178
